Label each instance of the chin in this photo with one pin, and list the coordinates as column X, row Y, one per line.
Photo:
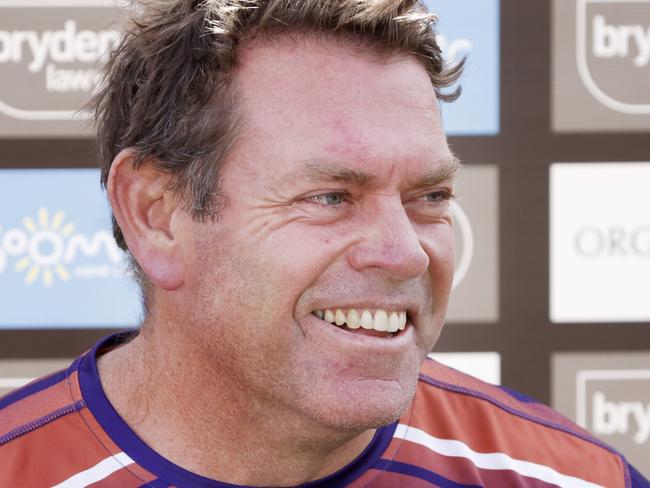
column 370, row 404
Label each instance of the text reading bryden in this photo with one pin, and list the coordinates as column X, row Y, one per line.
column 43, row 50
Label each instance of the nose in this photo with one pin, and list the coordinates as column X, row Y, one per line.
column 388, row 241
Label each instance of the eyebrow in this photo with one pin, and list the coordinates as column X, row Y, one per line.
column 444, row 171
column 325, row 171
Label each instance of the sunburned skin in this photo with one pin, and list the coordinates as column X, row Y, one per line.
column 338, row 196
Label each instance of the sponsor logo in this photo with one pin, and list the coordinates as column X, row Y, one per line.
column 58, row 259
column 600, row 242
column 45, row 50
column 613, row 52
column 610, row 414
column 612, row 41
column 454, row 49
column 601, row 65
column 469, row 28
column 614, row 241
column 614, row 417
column 54, row 50
column 47, row 249
column 607, row 393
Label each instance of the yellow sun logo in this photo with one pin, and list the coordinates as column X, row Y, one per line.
column 45, row 247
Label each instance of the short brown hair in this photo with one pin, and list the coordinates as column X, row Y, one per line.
column 168, row 94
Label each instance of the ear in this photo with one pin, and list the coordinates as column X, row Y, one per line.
column 145, row 211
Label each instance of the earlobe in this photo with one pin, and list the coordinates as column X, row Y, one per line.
column 145, row 211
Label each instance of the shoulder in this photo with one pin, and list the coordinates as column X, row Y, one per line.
column 35, row 421
column 49, row 435
column 42, row 401
column 490, row 424
column 438, row 380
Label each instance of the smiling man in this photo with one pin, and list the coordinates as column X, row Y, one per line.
column 279, row 175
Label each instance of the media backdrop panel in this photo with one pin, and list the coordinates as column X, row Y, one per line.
column 552, row 285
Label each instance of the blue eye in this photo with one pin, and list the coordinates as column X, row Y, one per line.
column 328, row 199
column 440, row 196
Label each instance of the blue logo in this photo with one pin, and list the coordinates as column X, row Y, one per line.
column 471, row 27
column 59, row 264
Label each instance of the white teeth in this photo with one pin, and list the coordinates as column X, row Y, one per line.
column 366, row 320
column 393, row 321
column 383, row 321
column 329, row 316
column 339, row 317
column 353, row 321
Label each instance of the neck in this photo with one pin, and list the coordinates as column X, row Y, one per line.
column 208, row 424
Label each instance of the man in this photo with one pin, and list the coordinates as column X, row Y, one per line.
column 279, row 175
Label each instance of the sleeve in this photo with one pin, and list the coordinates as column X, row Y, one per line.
column 637, row 479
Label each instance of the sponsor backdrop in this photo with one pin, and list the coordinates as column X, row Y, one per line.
column 468, row 28
column 552, row 217
column 601, row 65
column 50, row 54
column 609, row 394
column 18, row 372
column 476, row 213
column 483, row 365
column 600, row 242
column 57, row 251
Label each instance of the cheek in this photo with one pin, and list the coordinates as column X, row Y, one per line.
column 273, row 271
column 302, row 251
column 439, row 246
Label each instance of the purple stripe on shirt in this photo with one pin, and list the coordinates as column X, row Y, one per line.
column 421, row 473
column 33, row 388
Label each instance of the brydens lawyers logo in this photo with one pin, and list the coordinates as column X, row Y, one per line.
column 608, row 393
column 613, row 52
column 52, row 50
column 605, row 413
column 46, row 249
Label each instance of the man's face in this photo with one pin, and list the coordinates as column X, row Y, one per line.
column 336, row 200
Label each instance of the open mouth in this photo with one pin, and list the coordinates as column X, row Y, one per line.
column 378, row 322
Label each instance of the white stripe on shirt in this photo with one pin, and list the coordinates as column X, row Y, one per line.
column 491, row 460
column 98, row 472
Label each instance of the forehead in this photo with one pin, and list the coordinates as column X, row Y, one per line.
column 309, row 99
